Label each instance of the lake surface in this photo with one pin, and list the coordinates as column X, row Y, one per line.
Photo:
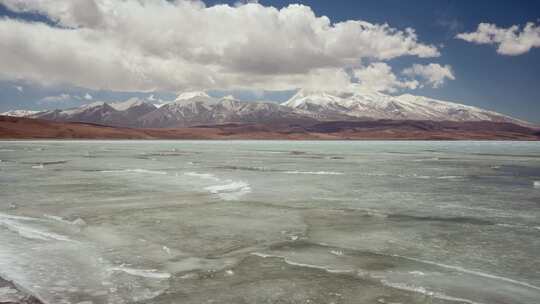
column 271, row 221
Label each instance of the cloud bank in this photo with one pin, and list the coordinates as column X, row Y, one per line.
column 177, row 45
column 379, row 77
column 510, row 41
column 62, row 98
column 433, row 74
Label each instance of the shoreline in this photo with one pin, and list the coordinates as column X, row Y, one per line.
column 13, row 294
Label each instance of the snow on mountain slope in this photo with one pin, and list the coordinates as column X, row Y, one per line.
column 198, row 109
column 123, row 114
column 195, row 96
column 231, row 110
column 96, row 112
column 189, row 108
column 98, row 105
column 375, row 105
column 132, row 109
column 130, row 103
column 19, row 113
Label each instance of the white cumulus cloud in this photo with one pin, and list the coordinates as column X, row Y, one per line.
column 56, row 99
column 379, row 77
column 145, row 45
column 433, row 74
column 510, row 41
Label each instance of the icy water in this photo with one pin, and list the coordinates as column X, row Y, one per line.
column 271, row 221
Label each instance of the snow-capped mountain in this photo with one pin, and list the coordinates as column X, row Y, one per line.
column 231, row 110
column 19, row 113
column 132, row 109
column 96, row 112
column 122, row 114
column 375, row 105
column 194, row 96
column 305, row 107
column 129, row 104
column 197, row 108
column 189, row 108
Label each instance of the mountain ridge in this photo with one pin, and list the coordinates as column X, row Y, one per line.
column 375, row 105
column 304, row 107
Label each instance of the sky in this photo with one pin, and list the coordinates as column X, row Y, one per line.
column 64, row 53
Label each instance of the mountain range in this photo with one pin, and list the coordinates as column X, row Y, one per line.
column 304, row 108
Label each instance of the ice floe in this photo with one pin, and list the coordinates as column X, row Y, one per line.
column 14, row 224
column 147, row 273
column 231, row 191
column 141, row 171
column 202, row 175
column 313, row 172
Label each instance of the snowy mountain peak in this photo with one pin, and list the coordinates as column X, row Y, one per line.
column 197, row 108
column 230, row 103
column 19, row 113
column 192, row 95
column 376, row 105
column 83, row 108
column 228, row 97
column 304, row 97
column 124, row 105
column 93, row 105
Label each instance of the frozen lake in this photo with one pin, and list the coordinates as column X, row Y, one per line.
column 271, row 221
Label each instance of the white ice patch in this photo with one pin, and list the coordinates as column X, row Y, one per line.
column 313, row 172
column 293, row 237
column 293, row 263
column 450, row 177
column 231, row 191
column 411, row 176
column 56, row 218
column 78, row 222
column 190, row 264
column 512, row 226
column 536, row 184
column 147, row 273
column 336, row 252
column 17, row 217
column 140, row 171
column 202, row 175
column 426, row 159
column 264, row 255
column 424, row 291
column 29, row 232
column 472, row 272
